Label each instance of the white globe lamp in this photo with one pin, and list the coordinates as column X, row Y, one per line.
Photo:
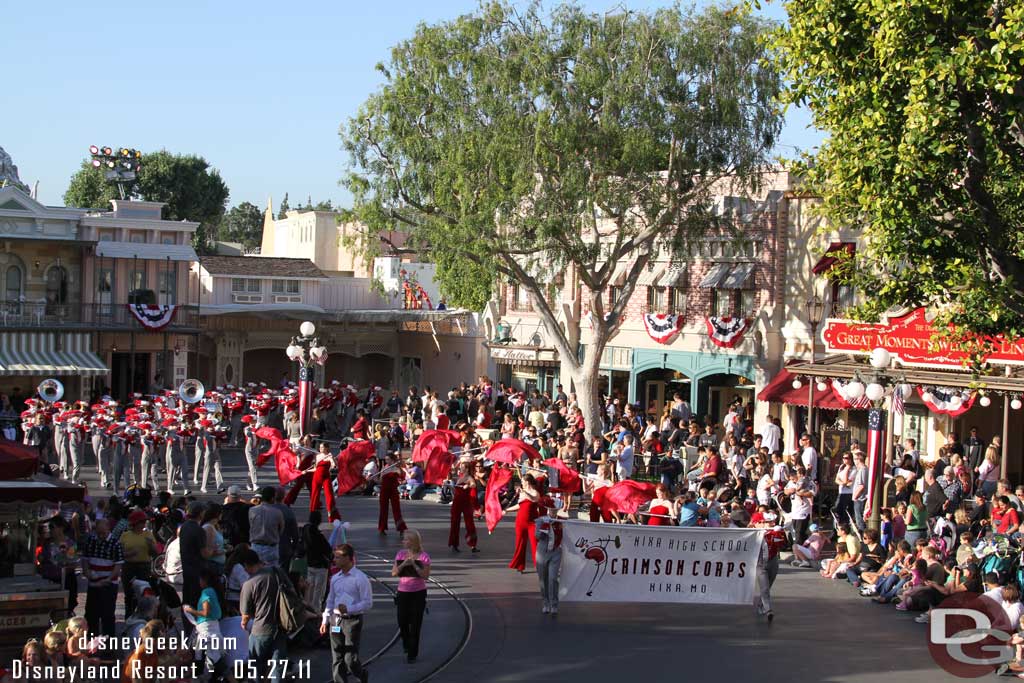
column 905, row 391
column 874, row 391
column 985, row 401
column 797, row 384
column 955, row 401
column 927, row 397
column 307, row 329
column 822, row 386
column 880, row 358
column 855, row 390
column 1015, row 404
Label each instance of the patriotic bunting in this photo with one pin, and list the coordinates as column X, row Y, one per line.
column 947, row 400
column 663, row 327
column 153, row 317
column 839, row 389
column 726, row 331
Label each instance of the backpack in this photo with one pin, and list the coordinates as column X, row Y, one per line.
column 291, row 610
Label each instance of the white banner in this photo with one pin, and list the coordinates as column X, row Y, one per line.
column 627, row 563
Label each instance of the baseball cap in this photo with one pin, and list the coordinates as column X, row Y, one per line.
column 136, row 516
column 234, row 491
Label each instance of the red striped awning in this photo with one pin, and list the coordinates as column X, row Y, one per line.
column 835, row 251
column 780, row 390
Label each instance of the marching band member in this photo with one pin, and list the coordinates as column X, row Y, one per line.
column 60, row 439
column 106, row 456
column 549, row 558
column 251, row 446
column 389, row 481
column 198, row 452
column 97, row 438
column 75, row 446
column 119, row 456
column 462, row 508
column 211, row 455
column 148, row 457
column 177, row 464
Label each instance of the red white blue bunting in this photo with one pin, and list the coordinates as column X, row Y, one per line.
column 726, row 331
column 947, row 400
column 153, row 317
column 662, row 327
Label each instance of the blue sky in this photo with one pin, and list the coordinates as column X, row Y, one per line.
column 257, row 88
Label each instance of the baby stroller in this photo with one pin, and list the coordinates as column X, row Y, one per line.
column 999, row 556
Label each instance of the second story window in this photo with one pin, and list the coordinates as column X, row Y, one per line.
column 136, row 280
column 614, row 293
column 677, row 300
column 12, row 284
column 520, row 298
column 657, row 300
column 105, row 281
column 168, row 280
column 721, row 302
column 136, row 237
column 168, row 238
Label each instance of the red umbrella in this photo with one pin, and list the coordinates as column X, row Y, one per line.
column 627, row 496
column 510, row 451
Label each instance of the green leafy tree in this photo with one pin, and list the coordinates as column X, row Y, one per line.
column 192, row 190
column 244, row 224
column 522, row 144
column 924, row 106
column 282, row 212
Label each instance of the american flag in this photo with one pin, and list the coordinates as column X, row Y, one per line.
column 876, row 453
column 897, row 400
column 861, row 403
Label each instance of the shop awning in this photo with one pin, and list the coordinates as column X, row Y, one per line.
column 715, row 276
column 780, row 390
column 675, row 276
column 835, row 251
column 650, row 275
column 36, row 354
column 844, row 367
column 738, row 276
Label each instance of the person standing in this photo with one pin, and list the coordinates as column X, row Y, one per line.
column 318, row 561
column 290, row 532
column 266, row 525
column 258, row 604
column 350, row 597
column 191, row 542
column 771, row 436
column 389, row 483
column 860, row 489
column 251, row 447
column 809, row 457
column 548, row 560
column 974, row 450
column 412, row 566
column 177, row 463
column 844, row 480
column 526, row 533
column 102, row 560
column 139, row 549
column 211, row 456
column 800, row 490
column 462, row 507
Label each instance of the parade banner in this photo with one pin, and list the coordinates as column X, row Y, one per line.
column 627, row 563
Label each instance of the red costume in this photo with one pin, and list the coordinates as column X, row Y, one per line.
column 658, row 521
column 462, row 506
column 389, row 494
column 528, row 513
column 360, row 429
column 596, row 512
column 322, row 481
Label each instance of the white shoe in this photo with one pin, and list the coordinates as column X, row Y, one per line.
column 202, row 490
column 922, row 618
column 545, row 610
column 554, row 610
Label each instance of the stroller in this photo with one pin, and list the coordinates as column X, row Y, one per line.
column 999, row 555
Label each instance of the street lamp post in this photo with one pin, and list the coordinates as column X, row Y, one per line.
column 815, row 312
column 306, row 350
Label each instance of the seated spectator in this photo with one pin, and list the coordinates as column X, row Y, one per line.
column 847, row 549
column 929, row 593
column 1004, row 518
column 870, row 558
column 887, row 582
column 145, row 611
column 809, row 554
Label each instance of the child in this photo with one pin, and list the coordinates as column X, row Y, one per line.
column 55, row 643
column 809, row 553
column 886, row 537
column 965, row 553
column 899, row 523
column 207, row 617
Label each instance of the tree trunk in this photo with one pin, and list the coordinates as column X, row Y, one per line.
column 585, row 376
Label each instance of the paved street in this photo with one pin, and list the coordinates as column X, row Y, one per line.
column 822, row 630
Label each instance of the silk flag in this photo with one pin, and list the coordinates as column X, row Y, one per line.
column 627, row 496
column 439, row 465
column 568, row 479
column 631, row 563
column 351, row 462
column 493, row 512
column 510, row 451
column 430, row 438
column 285, row 460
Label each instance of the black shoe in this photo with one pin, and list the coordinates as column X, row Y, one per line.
column 454, row 548
column 410, row 659
column 770, row 617
column 475, row 550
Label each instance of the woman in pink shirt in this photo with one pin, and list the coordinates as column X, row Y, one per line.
column 412, row 567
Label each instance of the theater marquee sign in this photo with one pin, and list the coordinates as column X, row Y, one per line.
column 912, row 340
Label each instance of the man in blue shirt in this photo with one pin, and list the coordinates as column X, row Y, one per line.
column 689, row 511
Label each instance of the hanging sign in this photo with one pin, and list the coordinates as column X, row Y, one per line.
column 912, row 340
column 629, row 563
column 153, row 317
column 662, row 327
column 726, row 331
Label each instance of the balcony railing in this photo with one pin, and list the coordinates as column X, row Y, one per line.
column 35, row 315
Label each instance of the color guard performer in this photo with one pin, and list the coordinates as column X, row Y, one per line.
column 251, row 450
column 391, row 476
column 462, row 507
column 530, row 509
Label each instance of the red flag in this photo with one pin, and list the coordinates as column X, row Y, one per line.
column 510, row 451
column 568, row 479
column 351, row 462
column 285, row 460
column 431, row 437
column 627, row 496
column 492, row 502
column 439, row 465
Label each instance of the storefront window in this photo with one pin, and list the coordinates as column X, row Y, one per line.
column 657, row 299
